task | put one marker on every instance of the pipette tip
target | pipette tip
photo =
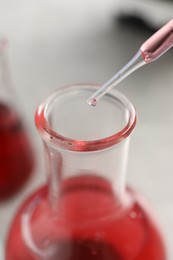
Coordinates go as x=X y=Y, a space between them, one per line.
x=92 y=102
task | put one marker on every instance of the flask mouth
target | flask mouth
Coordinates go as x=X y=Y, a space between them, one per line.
x=65 y=120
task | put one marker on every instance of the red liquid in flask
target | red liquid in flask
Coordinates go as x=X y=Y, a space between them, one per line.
x=88 y=225
x=16 y=158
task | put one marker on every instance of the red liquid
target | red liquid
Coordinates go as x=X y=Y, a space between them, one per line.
x=88 y=225
x=16 y=158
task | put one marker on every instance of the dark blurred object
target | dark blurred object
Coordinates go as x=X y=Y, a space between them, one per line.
x=151 y=14
x=135 y=21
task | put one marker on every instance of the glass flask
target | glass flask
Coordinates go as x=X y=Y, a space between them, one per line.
x=85 y=211
x=16 y=155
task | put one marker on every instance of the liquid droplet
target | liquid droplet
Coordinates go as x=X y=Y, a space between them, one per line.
x=92 y=102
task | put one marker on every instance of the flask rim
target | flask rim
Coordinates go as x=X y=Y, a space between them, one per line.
x=57 y=140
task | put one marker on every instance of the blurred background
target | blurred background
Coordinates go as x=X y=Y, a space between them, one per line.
x=58 y=42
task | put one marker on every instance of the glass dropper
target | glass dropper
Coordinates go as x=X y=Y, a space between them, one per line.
x=150 y=50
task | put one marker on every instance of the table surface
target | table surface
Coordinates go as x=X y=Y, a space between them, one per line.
x=54 y=43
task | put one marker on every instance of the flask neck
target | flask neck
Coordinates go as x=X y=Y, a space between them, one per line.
x=85 y=145
x=108 y=165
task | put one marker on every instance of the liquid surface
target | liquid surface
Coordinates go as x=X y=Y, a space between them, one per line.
x=16 y=158
x=88 y=224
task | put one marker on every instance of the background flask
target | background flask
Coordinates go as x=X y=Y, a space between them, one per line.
x=86 y=210
x=16 y=154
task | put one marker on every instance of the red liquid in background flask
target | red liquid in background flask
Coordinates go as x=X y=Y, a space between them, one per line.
x=85 y=212
x=16 y=155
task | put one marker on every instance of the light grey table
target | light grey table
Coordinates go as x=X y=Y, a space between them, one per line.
x=57 y=42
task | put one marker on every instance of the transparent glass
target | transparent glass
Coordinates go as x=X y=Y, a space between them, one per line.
x=85 y=211
x=16 y=155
